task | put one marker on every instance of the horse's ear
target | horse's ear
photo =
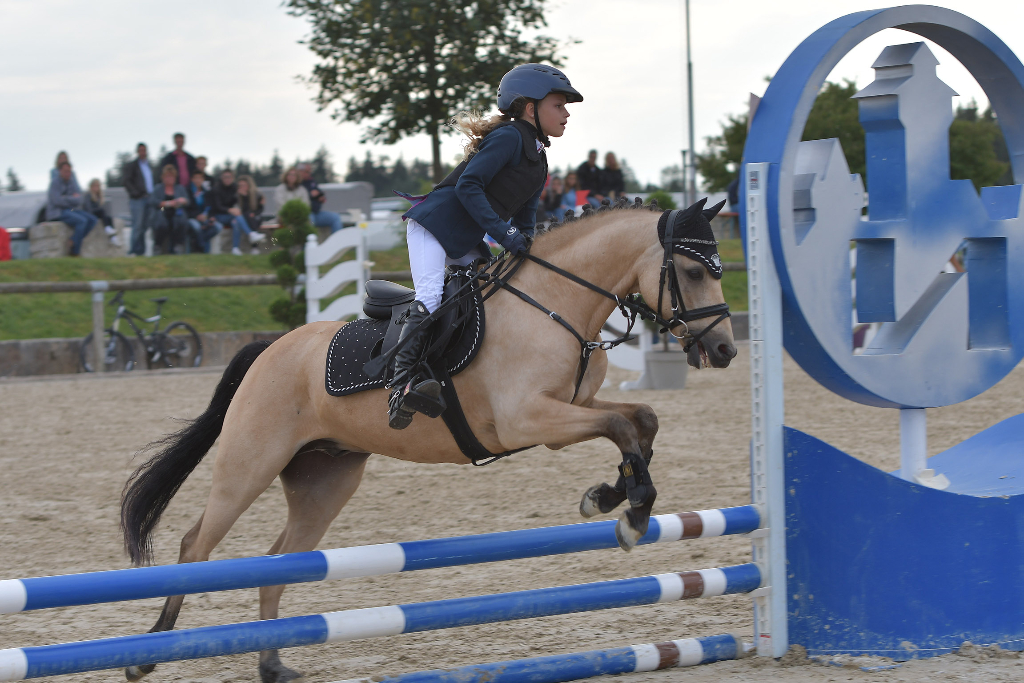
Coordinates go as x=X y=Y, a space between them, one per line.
x=713 y=211
x=691 y=211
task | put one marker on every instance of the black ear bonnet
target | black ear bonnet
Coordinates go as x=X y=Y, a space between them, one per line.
x=692 y=236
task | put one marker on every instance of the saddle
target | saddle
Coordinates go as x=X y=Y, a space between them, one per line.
x=455 y=340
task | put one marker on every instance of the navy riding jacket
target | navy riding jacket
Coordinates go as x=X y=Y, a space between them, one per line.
x=458 y=215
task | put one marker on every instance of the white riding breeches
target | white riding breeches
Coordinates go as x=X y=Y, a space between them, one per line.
x=427 y=261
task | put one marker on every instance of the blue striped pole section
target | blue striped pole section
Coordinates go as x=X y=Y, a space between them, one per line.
x=17 y=595
x=212 y=641
x=572 y=667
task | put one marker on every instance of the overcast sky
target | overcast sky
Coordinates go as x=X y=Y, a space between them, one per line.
x=96 y=77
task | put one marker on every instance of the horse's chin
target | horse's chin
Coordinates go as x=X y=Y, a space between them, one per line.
x=699 y=357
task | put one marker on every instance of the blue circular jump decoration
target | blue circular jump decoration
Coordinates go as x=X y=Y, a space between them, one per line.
x=942 y=337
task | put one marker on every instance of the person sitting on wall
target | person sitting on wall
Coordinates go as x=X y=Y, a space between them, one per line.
x=319 y=217
x=204 y=227
x=551 y=199
x=93 y=203
x=201 y=164
x=291 y=187
x=613 y=184
x=589 y=178
x=170 y=223
x=64 y=204
x=250 y=201
x=570 y=192
x=225 y=210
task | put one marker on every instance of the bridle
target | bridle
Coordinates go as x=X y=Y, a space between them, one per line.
x=680 y=315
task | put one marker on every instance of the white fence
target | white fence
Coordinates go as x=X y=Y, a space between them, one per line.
x=337 y=278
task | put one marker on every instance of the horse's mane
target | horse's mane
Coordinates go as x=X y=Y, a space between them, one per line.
x=589 y=212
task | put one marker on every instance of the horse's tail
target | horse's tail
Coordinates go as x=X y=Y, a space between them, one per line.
x=150 y=488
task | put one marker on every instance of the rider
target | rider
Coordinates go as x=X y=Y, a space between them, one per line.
x=501 y=178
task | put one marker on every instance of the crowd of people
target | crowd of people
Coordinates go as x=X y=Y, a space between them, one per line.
x=183 y=205
x=588 y=184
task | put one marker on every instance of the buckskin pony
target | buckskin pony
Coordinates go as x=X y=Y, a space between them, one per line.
x=275 y=419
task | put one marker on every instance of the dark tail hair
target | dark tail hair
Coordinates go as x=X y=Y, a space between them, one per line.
x=150 y=488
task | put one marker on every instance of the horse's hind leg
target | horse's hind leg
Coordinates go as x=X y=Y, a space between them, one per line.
x=259 y=458
x=603 y=498
x=317 y=485
x=172 y=606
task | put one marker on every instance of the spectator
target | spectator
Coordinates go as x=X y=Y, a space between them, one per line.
x=201 y=164
x=138 y=182
x=320 y=218
x=180 y=159
x=589 y=177
x=613 y=185
x=551 y=199
x=62 y=158
x=93 y=203
x=569 y=202
x=290 y=188
x=224 y=207
x=64 y=202
x=204 y=227
x=250 y=201
x=170 y=223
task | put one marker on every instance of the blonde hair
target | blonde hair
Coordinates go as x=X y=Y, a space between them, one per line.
x=98 y=197
x=475 y=126
x=252 y=199
x=169 y=168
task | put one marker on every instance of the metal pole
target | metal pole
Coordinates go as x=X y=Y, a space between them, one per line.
x=692 y=170
x=767 y=401
x=98 y=351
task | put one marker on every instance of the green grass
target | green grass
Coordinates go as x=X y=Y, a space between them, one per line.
x=213 y=309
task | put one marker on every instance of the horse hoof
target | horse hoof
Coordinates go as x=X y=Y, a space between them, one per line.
x=625 y=534
x=590 y=505
x=276 y=672
x=600 y=500
x=134 y=673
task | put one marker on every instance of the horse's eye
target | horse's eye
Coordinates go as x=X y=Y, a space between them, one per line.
x=695 y=273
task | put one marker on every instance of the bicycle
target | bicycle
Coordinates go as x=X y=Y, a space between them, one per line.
x=178 y=345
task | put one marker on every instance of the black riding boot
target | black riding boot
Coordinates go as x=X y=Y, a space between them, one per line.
x=412 y=393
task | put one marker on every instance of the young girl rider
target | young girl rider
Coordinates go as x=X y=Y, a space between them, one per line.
x=499 y=180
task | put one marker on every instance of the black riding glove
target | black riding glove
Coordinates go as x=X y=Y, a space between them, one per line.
x=514 y=242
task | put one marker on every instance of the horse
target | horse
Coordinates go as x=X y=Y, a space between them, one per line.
x=275 y=419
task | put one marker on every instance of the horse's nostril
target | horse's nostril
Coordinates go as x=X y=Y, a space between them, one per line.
x=726 y=350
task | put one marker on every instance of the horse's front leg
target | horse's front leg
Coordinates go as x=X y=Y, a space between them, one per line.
x=603 y=498
x=552 y=422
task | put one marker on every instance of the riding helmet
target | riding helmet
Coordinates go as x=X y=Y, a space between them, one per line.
x=535 y=82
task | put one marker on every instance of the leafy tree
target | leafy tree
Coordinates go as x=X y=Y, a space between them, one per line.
x=408 y=65
x=13 y=182
x=115 y=175
x=672 y=178
x=414 y=179
x=663 y=198
x=974 y=145
x=629 y=178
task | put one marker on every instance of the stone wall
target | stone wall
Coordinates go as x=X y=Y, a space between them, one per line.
x=50 y=240
x=26 y=357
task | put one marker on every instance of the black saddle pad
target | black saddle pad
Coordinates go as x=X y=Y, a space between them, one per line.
x=352 y=345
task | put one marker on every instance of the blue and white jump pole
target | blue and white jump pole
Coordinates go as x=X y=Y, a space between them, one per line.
x=18 y=595
x=212 y=641
x=572 y=667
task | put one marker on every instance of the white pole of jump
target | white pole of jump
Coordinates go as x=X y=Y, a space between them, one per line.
x=767 y=481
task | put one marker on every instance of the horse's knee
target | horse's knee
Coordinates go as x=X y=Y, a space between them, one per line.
x=622 y=432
